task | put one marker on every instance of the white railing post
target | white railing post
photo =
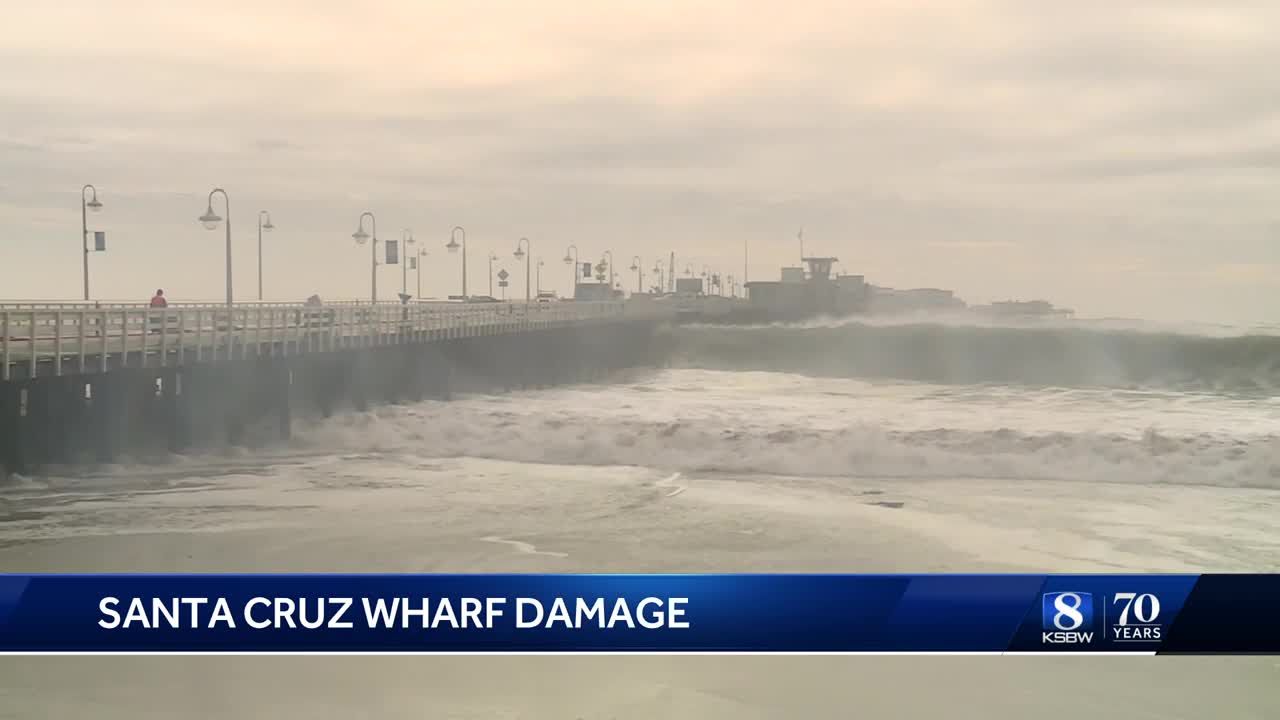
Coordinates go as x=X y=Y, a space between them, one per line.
x=146 y=331
x=257 y=333
x=4 y=347
x=243 y=333
x=164 y=337
x=182 y=337
x=104 y=326
x=270 y=333
x=199 y=335
x=230 y=338
x=81 y=322
x=57 y=343
x=32 y=345
x=306 y=331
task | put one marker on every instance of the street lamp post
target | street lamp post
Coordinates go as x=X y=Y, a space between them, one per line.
x=524 y=253
x=406 y=239
x=85 y=206
x=572 y=259
x=360 y=236
x=639 y=271
x=453 y=247
x=211 y=221
x=659 y=268
x=492 y=257
x=268 y=227
x=540 y=264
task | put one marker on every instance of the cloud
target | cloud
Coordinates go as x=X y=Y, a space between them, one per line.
x=923 y=142
x=1188 y=163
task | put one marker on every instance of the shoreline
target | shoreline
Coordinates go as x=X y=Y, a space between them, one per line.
x=398 y=512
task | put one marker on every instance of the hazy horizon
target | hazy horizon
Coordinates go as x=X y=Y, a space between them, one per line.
x=1115 y=161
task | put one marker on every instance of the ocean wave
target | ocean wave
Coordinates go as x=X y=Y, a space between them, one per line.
x=1062 y=356
x=965 y=319
x=459 y=430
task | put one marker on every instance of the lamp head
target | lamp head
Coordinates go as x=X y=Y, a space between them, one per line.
x=519 y=253
x=268 y=226
x=360 y=236
x=453 y=245
x=210 y=219
x=94 y=205
x=568 y=259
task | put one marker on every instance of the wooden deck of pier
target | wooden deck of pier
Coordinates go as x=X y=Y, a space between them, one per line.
x=67 y=338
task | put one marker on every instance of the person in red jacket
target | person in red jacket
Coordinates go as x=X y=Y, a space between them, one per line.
x=158 y=301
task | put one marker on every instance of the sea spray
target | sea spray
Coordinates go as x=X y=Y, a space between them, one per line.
x=967 y=354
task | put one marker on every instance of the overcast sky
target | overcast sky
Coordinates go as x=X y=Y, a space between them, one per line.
x=1122 y=159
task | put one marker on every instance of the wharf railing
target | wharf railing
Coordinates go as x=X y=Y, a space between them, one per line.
x=79 y=338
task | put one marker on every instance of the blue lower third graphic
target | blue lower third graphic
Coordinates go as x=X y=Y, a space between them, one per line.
x=632 y=613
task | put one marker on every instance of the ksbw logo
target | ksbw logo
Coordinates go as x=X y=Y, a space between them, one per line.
x=1067 y=618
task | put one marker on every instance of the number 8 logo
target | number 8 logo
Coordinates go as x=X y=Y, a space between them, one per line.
x=1069 y=610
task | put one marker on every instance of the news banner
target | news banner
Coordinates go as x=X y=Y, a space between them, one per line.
x=669 y=614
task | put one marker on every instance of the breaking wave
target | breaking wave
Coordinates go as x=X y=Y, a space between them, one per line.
x=1060 y=356
x=460 y=429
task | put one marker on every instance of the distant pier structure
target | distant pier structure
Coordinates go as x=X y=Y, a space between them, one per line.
x=91 y=383
x=804 y=292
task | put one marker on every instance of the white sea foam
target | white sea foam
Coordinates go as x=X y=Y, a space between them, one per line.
x=788 y=425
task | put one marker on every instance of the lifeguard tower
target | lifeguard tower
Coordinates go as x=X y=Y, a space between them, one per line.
x=819 y=267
